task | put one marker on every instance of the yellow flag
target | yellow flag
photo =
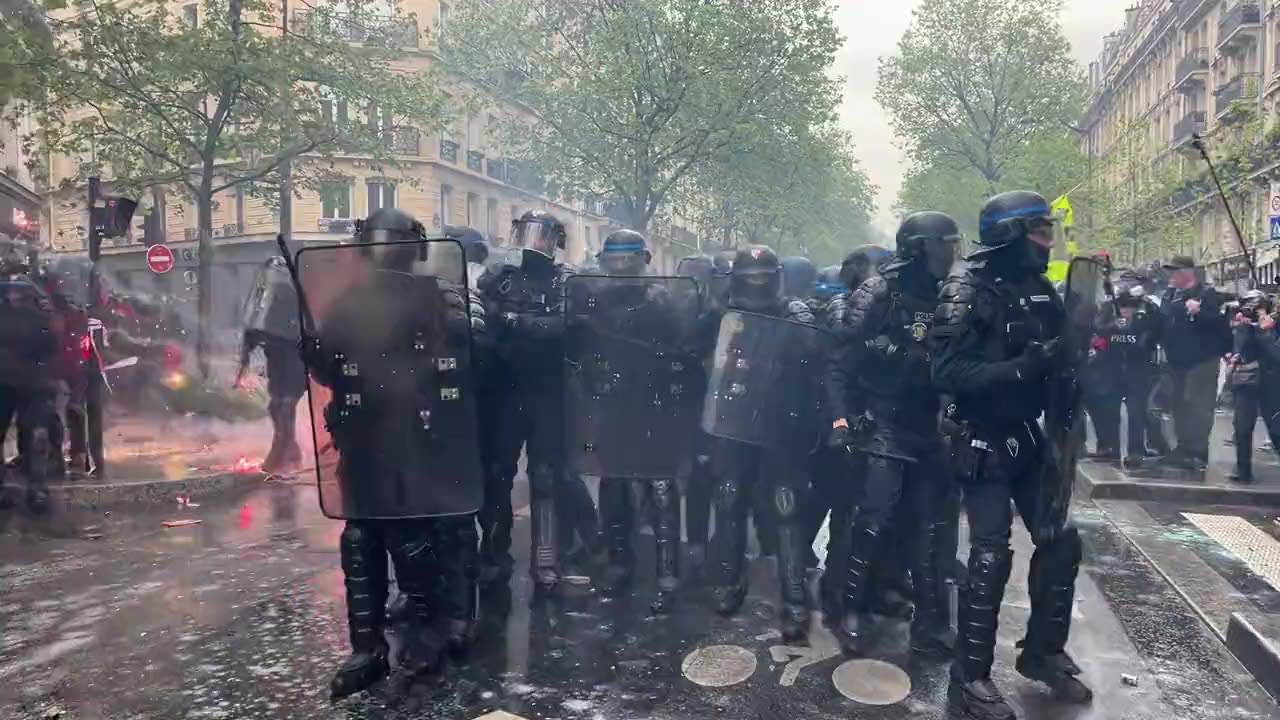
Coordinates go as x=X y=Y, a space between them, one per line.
x=1061 y=209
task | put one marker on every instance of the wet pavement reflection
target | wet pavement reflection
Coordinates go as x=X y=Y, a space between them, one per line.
x=242 y=616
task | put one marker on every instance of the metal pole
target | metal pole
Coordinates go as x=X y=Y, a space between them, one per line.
x=1198 y=143
x=93 y=392
x=286 y=167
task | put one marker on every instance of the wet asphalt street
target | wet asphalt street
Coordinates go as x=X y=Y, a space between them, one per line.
x=242 y=616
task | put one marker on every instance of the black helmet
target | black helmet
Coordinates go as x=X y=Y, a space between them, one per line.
x=724 y=261
x=625 y=252
x=829 y=283
x=1010 y=218
x=931 y=236
x=538 y=231
x=698 y=267
x=861 y=263
x=391 y=225
x=472 y=241
x=1130 y=286
x=755 y=282
x=798 y=277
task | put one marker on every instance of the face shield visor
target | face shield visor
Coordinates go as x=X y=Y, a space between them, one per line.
x=1039 y=243
x=542 y=238
x=755 y=289
x=940 y=254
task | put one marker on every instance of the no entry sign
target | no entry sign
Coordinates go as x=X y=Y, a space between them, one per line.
x=159 y=259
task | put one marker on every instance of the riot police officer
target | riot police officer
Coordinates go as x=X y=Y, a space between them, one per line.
x=861 y=262
x=525 y=304
x=1254 y=378
x=799 y=275
x=699 y=483
x=641 y=370
x=738 y=467
x=406 y=449
x=883 y=358
x=993 y=345
x=28 y=344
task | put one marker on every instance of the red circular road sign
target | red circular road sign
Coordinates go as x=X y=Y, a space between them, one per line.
x=159 y=259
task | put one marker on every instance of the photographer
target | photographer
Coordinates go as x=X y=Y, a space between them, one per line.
x=1254 y=378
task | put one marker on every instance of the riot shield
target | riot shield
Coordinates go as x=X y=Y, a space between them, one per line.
x=272 y=304
x=1064 y=417
x=631 y=374
x=390 y=385
x=765 y=383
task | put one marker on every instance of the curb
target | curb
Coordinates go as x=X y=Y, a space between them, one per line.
x=1101 y=482
x=93 y=496
x=1256 y=652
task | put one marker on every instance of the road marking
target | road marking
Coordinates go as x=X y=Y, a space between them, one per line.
x=719 y=665
x=871 y=682
x=804 y=657
x=1258 y=550
x=499 y=715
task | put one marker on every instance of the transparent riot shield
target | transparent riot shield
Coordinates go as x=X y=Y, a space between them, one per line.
x=764 y=387
x=631 y=374
x=1083 y=297
x=272 y=303
x=391 y=387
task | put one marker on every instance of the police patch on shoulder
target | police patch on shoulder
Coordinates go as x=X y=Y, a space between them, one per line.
x=918 y=331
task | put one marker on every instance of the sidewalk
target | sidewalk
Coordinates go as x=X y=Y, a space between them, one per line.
x=1156 y=481
x=151 y=460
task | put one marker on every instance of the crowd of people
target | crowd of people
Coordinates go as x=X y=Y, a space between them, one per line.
x=879 y=393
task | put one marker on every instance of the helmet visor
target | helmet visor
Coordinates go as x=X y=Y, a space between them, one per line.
x=537 y=237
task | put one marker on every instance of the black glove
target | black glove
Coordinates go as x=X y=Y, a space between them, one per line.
x=883 y=344
x=841 y=437
x=1037 y=358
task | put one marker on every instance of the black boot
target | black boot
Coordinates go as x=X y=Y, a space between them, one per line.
x=461 y=561
x=972 y=691
x=364 y=565
x=615 y=511
x=544 y=564
x=666 y=533
x=931 y=631
x=864 y=543
x=791 y=565
x=1244 y=460
x=1051 y=584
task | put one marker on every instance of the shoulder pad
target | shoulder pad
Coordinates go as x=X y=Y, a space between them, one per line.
x=798 y=311
x=957 y=297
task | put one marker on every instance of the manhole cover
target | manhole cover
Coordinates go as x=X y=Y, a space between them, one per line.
x=871 y=682
x=719 y=665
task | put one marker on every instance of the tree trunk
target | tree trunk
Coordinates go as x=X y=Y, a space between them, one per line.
x=204 y=274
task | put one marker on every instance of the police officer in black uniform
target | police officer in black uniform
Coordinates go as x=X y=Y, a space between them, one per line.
x=1254 y=378
x=286 y=377
x=883 y=359
x=369 y=460
x=756 y=287
x=700 y=483
x=28 y=345
x=993 y=346
x=799 y=276
x=861 y=262
x=525 y=310
x=651 y=312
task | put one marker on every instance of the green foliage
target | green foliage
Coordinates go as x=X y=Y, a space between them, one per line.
x=974 y=81
x=631 y=99
x=142 y=98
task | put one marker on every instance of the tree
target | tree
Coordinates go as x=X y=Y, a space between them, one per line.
x=974 y=80
x=801 y=191
x=152 y=99
x=627 y=99
x=1049 y=163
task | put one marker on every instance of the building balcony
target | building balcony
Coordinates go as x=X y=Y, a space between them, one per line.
x=1191 y=10
x=449 y=151
x=475 y=161
x=1192 y=71
x=1239 y=26
x=1244 y=86
x=364 y=28
x=1190 y=124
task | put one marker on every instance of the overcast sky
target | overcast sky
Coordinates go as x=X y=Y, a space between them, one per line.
x=872 y=29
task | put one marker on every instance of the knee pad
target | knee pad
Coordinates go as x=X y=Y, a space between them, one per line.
x=726 y=496
x=663 y=491
x=542 y=480
x=355 y=536
x=1066 y=549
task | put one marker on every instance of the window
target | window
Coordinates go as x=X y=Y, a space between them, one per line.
x=446 y=199
x=333 y=109
x=382 y=194
x=491 y=217
x=473 y=209
x=191 y=16
x=335 y=200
